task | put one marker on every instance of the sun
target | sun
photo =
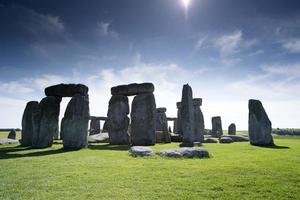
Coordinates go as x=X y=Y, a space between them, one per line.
x=186 y=3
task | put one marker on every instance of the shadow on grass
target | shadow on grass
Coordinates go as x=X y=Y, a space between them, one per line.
x=5 y=153
x=274 y=146
x=109 y=147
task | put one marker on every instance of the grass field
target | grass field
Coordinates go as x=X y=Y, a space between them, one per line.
x=102 y=171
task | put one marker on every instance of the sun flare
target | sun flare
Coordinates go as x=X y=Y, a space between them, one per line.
x=185 y=3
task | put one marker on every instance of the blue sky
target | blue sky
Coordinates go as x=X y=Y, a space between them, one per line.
x=229 y=51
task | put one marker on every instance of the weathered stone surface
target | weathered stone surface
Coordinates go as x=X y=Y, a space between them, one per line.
x=185 y=152
x=74 y=125
x=178 y=121
x=162 y=133
x=66 y=90
x=45 y=122
x=95 y=126
x=210 y=140
x=118 y=120
x=259 y=125
x=225 y=140
x=105 y=127
x=170 y=129
x=217 y=130
x=238 y=138
x=143 y=116
x=132 y=89
x=56 y=134
x=187 y=116
x=98 y=138
x=12 y=134
x=176 y=137
x=232 y=129
x=175 y=126
x=27 y=123
x=198 y=120
x=140 y=151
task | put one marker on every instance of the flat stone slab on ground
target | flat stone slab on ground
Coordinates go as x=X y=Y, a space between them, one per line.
x=185 y=152
x=226 y=140
x=8 y=141
x=210 y=140
x=98 y=138
x=238 y=138
x=140 y=151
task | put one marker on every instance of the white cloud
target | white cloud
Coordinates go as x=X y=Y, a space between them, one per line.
x=292 y=45
x=228 y=44
x=15 y=87
x=105 y=30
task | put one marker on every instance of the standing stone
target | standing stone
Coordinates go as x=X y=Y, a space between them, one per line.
x=175 y=125
x=105 y=127
x=170 y=129
x=198 y=120
x=56 y=134
x=94 y=126
x=178 y=121
x=217 y=130
x=232 y=129
x=187 y=116
x=45 y=121
x=143 y=116
x=259 y=125
x=12 y=134
x=118 y=120
x=74 y=125
x=162 y=132
x=27 y=124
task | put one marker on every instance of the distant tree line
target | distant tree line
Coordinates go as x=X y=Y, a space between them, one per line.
x=286 y=131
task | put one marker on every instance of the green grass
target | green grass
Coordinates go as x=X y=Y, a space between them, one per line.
x=235 y=171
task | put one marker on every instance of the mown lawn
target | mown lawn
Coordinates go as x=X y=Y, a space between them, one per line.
x=235 y=171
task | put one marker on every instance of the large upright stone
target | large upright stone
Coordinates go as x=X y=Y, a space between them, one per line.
x=187 y=116
x=12 y=134
x=178 y=122
x=162 y=132
x=143 y=116
x=105 y=127
x=198 y=120
x=217 y=130
x=133 y=89
x=66 y=90
x=232 y=129
x=175 y=126
x=27 y=123
x=74 y=125
x=118 y=120
x=95 y=126
x=46 y=122
x=259 y=125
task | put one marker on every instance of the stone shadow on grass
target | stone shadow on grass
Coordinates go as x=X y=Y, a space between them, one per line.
x=6 y=153
x=274 y=146
x=109 y=147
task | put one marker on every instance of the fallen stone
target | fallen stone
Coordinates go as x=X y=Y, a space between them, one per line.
x=12 y=134
x=185 y=152
x=133 y=89
x=74 y=125
x=232 y=129
x=66 y=90
x=259 y=125
x=238 y=138
x=4 y=141
x=140 y=151
x=27 y=123
x=210 y=140
x=225 y=140
x=118 y=120
x=143 y=116
x=98 y=138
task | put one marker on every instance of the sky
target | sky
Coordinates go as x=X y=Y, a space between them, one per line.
x=228 y=51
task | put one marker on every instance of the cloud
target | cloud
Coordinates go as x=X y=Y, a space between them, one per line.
x=15 y=87
x=228 y=44
x=292 y=45
x=105 y=30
